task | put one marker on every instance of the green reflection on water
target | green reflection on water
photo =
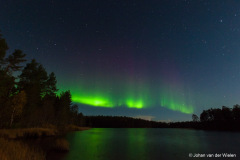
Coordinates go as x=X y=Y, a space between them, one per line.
x=91 y=144
x=134 y=144
x=103 y=144
x=137 y=143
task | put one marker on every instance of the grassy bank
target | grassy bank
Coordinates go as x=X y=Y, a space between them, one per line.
x=30 y=143
x=16 y=150
x=38 y=132
x=28 y=133
x=70 y=128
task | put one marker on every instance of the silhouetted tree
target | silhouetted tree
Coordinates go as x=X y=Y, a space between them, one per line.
x=195 y=118
x=6 y=86
x=227 y=113
x=74 y=114
x=7 y=80
x=33 y=80
x=14 y=61
x=80 y=120
x=51 y=85
x=18 y=102
x=236 y=112
x=204 y=116
x=48 y=112
x=63 y=108
x=217 y=114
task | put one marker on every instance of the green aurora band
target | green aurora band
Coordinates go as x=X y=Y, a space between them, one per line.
x=137 y=102
x=93 y=101
x=133 y=95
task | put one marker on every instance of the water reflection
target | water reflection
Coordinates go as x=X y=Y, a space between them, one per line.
x=91 y=144
x=136 y=144
x=148 y=144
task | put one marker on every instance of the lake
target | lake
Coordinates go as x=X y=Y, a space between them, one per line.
x=151 y=144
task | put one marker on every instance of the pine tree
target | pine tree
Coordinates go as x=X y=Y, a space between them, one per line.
x=33 y=80
x=7 y=80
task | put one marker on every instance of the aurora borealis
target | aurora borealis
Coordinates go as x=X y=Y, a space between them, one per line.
x=138 y=100
x=162 y=59
x=132 y=103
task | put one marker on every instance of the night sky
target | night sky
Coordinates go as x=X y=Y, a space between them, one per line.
x=160 y=60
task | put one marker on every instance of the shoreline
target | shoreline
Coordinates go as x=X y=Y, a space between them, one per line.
x=34 y=143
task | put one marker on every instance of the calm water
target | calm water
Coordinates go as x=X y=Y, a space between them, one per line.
x=149 y=144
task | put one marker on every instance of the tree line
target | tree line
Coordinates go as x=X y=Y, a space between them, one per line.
x=224 y=114
x=121 y=122
x=225 y=118
x=211 y=119
x=30 y=99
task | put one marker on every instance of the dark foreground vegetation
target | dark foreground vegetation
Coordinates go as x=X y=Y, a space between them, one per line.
x=31 y=109
x=30 y=99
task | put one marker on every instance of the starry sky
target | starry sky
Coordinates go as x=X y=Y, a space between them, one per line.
x=160 y=60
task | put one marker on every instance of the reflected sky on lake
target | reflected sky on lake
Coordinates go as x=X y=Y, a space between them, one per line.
x=148 y=144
